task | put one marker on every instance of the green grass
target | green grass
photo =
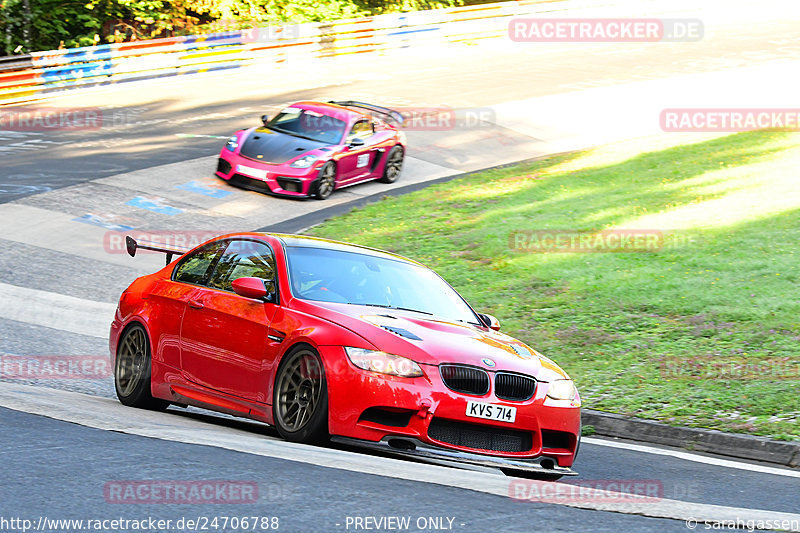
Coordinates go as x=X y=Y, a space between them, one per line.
x=610 y=319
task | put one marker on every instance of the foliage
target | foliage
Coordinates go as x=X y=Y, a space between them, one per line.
x=47 y=23
x=29 y=25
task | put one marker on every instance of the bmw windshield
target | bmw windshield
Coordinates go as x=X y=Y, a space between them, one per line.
x=309 y=125
x=336 y=276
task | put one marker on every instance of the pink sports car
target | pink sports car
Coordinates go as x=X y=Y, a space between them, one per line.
x=314 y=148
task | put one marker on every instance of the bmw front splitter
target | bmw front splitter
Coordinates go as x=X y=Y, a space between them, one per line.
x=410 y=447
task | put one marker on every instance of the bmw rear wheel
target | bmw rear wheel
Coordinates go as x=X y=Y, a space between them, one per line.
x=326 y=181
x=394 y=164
x=300 y=397
x=132 y=370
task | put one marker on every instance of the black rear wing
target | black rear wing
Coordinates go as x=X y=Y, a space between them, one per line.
x=131 y=245
x=391 y=113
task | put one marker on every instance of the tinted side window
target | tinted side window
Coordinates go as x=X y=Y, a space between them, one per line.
x=244 y=259
x=195 y=267
x=361 y=130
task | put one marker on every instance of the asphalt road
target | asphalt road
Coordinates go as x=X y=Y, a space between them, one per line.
x=318 y=488
x=303 y=497
x=158 y=135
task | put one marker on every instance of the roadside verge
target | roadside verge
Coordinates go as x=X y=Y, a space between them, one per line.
x=740 y=446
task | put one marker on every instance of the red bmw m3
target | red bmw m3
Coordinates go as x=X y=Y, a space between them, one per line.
x=326 y=340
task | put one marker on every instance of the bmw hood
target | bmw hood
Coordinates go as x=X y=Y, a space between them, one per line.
x=273 y=147
x=430 y=341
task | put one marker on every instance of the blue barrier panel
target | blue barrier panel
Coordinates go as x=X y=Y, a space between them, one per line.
x=408 y=32
x=75 y=72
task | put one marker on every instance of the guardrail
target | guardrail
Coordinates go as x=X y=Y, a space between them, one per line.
x=36 y=75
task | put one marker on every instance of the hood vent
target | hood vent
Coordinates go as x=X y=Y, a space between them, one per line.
x=402 y=332
x=521 y=350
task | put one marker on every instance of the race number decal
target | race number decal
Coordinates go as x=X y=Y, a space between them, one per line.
x=362 y=160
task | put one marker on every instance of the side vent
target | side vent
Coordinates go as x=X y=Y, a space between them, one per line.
x=557 y=439
x=387 y=417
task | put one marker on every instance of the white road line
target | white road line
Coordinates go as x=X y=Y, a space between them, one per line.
x=66 y=313
x=107 y=414
x=692 y=457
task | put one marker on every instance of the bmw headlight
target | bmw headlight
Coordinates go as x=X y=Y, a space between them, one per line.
x=232 y=144
x=562 y=389
x=304 y=162
x=383 y=363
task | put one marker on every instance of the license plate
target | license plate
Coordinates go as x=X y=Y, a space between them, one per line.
x=490 y=411
x=252 y=172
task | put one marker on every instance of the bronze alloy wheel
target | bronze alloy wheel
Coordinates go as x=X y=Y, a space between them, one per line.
x=132 y=370
x=326 y=181
x=130 y=361
x=394 y=164
x=300 y=405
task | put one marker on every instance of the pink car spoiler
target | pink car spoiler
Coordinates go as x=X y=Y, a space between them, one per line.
x=394 y=115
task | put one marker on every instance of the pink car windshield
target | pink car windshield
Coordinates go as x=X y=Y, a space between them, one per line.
x=309 y=125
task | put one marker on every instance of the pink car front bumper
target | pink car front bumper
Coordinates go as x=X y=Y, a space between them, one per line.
x=281 y=180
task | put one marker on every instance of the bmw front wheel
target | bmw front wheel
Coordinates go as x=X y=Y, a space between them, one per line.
x=300 y=397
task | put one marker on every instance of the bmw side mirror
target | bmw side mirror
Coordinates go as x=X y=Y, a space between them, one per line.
x=489 y=321
x=265 y=119
x=253 y=288
x=356 y=143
